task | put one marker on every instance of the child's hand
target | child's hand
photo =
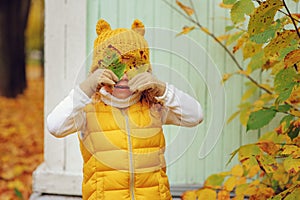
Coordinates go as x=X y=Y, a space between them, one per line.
x=146 y=81
x=100 y=77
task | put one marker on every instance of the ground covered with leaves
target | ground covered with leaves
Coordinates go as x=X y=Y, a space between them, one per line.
x=21 y=138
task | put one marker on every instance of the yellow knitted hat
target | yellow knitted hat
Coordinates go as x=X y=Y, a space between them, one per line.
x=121 y=50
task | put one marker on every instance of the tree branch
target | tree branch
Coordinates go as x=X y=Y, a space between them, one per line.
x=290 y=15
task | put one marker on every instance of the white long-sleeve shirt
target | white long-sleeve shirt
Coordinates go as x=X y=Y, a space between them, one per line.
x=68 y=116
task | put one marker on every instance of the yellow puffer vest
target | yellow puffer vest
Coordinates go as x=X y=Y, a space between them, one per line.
x=123 y=154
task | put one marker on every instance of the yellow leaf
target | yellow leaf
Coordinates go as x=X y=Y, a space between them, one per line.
x=223 y=195
x=263 y=16
x=292 y=58
x=186 y=30
x=253 y=171
x=237 y=170
x=290 y=150
x=206 y=193
x=189 y=11
x=281 y=176
x=239 y=43
x=222 y=37
x=226 y=77
x=250 y=49
x=230 y=183
x=227 y=6
x=233 y=116
x=291 y=165
x=189 y=195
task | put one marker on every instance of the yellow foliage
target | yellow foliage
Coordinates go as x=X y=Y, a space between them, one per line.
x=189 y=195
x=206 y=193
x=186 y=9
x=223 y=195
x=230 y=183
x=237 y=170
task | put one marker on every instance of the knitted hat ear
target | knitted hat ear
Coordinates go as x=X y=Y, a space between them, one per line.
x=101 y=26
x=138 y=27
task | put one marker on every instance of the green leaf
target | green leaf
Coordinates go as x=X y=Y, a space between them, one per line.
x=232 y=38
x=284 y=83
x=266 y=35
x=214 y=180
x=256 y=61
x=281 y=108
x=260 y=118
x=229 y=28
x=118 y=68
x=229 y=2
x=18 y=194
x=240 y=9
x=263 y=16
x=293 y=132
x=287 y=120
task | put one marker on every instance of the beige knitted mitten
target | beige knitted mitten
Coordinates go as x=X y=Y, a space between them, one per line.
x=146 y=81
x=100 y=77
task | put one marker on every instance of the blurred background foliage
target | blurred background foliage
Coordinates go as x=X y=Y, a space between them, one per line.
x=21 y=118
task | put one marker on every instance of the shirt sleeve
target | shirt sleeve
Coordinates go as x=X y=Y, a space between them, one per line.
x=68 y=116
x=180 y=108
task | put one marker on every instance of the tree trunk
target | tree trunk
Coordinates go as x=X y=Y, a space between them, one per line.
x=13 y=19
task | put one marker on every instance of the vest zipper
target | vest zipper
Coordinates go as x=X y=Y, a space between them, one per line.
x=131 y=168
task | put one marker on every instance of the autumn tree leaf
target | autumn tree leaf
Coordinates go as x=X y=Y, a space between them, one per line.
x=189 y=11
x=292 y=58
x=230 y=183
x=288 y=39
x=234 y=37
x=267 y=34
x=260 y=118
x=229 y=2
x=263 y=16
x=256 y=61
x=237 y=170
x=240 y=9
x=207 y=194
x=250 y=49
x=186 y=30
x=291 y=165
x=214 y=180
x=284 y=83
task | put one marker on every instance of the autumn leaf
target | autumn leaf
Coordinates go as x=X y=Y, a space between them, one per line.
x=237 y=170
x=223 y=195
x=186 y=30
x=189 y=195
x=230 y=183
x=292 y=58
x=15 y=170
x=206 y=194
x=189 y=11
x=291 y=165
x=263 y=16
x=240 y=9
x=250 y=49
x=232 y=38
x=284 y=83
x=214 y=181
x=284 y=42
x=227 y=6
x=268 y=146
